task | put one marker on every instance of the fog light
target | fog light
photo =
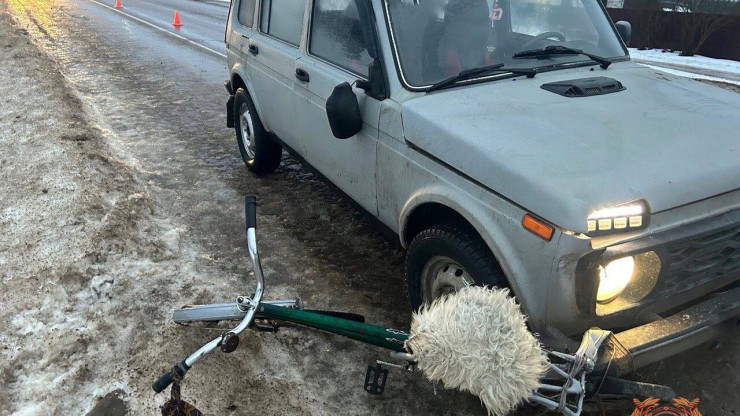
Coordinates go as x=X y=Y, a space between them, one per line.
x=614 y=278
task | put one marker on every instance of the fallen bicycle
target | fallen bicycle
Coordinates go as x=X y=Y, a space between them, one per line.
x=474 y=340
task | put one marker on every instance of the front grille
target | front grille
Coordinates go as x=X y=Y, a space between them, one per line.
x=696 y=261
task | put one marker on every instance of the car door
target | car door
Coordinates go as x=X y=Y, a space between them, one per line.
x=239 y=28
x=336 y=53
x=271 y=54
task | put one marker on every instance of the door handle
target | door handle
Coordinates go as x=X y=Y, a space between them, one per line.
x=254 y=50
x=301 y=74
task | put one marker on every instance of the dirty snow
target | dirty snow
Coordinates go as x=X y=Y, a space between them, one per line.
x=110 y=218
x=93 y=264
x=81 y=244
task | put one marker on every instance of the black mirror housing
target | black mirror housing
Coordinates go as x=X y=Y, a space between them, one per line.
x=624 y=28
x=343 y=112
x=375 y=85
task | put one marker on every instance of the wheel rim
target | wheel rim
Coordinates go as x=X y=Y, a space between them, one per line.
x=247 y=130
x=442 y=276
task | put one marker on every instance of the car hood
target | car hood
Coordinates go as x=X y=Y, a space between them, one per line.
x=665 y=139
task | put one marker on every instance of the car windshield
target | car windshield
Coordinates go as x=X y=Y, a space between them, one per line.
x=436 y=39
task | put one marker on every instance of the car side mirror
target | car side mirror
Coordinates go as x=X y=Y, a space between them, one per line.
x=624 y=28
x=343 y=112
x=375 y=84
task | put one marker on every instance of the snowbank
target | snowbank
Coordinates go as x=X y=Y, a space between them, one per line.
x=81 y=246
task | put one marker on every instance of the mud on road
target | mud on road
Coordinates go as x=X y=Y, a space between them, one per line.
x=120 y=200
x=111 y=217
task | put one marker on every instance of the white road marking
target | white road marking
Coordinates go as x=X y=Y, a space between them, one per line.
x=161 y=29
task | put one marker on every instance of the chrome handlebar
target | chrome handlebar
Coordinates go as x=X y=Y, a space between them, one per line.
x=248 y=305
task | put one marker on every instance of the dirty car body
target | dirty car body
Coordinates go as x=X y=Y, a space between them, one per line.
x=632 y=174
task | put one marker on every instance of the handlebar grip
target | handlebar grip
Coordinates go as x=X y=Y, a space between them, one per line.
x=167 y=378
x=250 y=210
x=162 y=382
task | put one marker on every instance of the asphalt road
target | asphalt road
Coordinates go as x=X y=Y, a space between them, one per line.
x=159 y=99
x=160 y=96
x=203 y=21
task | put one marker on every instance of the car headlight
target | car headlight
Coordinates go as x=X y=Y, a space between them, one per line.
x=621 y=218
x=614 y=278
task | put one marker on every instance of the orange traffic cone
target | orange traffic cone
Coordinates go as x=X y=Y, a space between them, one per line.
x=118 y=4
x=177 y=22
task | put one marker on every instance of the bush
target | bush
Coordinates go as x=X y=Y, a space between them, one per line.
x=699 y=19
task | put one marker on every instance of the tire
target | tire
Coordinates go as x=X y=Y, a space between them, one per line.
x=444 y=258
x=259 y=152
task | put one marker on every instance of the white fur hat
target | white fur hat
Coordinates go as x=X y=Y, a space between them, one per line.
x=477 y=340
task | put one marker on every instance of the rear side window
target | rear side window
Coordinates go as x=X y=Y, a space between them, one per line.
x=283 y=19
x=246 y=12
x=337 y=37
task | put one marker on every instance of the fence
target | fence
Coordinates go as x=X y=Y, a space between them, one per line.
x=663 y=30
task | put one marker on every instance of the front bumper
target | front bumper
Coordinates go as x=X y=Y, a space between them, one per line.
x=637 y=347
x=694 y=294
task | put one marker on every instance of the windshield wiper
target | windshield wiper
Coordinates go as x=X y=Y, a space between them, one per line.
x=474 y=72
x=562 y=50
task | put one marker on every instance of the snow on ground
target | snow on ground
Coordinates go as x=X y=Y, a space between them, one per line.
x=90 y=267
x=696 y=61
x=98 y=243
x=79 y=239
x=692 y=75
x=696 y=67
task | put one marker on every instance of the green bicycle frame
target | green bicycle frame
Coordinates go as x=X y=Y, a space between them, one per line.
x=246 y=309
x=387 y=338
x=569 y=374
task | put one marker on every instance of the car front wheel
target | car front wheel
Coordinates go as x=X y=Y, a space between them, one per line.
x=259 y=152
x=445 y=258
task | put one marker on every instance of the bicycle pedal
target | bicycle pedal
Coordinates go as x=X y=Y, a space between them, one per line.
x=375 y=379
x=264 y=326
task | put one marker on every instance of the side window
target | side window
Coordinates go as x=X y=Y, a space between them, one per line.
x=246 y=12
x=283 y=19
x=337 y=36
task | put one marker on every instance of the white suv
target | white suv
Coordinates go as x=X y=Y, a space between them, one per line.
x=509 y=143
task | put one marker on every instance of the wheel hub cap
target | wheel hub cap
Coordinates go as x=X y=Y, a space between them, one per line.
x=247 y=130
x=441 y=276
